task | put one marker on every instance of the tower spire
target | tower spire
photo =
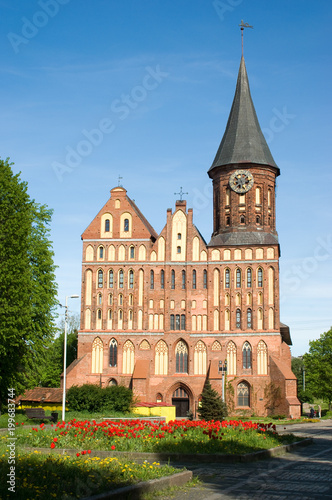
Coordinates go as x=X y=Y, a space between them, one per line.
x=242 y=26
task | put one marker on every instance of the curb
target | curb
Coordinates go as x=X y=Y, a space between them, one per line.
x=185 y=458
x=135 y=491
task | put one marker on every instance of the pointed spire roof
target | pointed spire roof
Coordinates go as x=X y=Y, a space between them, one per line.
x=243 y=140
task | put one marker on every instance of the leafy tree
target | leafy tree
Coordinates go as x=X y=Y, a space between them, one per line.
x=92 y=398
x=27 y=282
x=318 y=366
x=212 y=407
x=49 y=374
x=305 y=396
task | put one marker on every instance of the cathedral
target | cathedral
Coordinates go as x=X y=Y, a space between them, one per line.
x=162 y=313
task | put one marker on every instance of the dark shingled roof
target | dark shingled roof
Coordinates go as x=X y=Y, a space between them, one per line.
x=243 y=141
x=238 y=238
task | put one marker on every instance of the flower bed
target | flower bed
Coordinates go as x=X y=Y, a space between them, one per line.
x=40 y=476
x=180 y=436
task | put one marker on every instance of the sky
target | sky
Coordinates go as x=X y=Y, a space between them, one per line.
x=96 y=89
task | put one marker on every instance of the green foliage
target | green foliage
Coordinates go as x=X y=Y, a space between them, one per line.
x=212 y=407
x=92 y=398
x=52 y=366
x=272 y=395
x=318 y=366
x=27 y=283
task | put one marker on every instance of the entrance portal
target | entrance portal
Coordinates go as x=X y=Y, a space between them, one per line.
x=180 y=400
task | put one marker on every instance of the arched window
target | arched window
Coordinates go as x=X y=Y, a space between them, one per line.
x=183 y=280
x=260 y=277
x=111 y=279
x=99 y=299
x=132 y=252
x=172 y=279
x=113 y=352
x=243 y=394
x=177 y=322
x=194 y=279
x=238 y=278
x=228 y=220
x=110 y=299
x=162 y=279
x=261 y=358
x=179 y=236
x=131 y=278
x=181 y=353
x=120 y=299
x=161 y=358
x=258 y=219
x=101 y=252
x=242 y=219
x=121 y=278
x=246 y=355
x=231 y=358
x=126 y=225
x=183 y=321
x=178 y=249
x=151 y=279
x=107 y=225
x=100 y=278
x=200 y=358
x=128 y=357
x=99 y=314
x=172 y=324
x=238 y=318
x=97 y=356
x=249 y=318
x=227 y=278
x=112 y=382
x=249 y=277
x=205 y=278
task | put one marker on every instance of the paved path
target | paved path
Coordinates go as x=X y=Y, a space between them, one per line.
x=304 y=474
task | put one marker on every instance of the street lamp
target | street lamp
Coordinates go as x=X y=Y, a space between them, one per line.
x=65 y=355
x=222 y=368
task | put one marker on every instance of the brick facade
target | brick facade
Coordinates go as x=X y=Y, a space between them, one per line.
x=159 y=313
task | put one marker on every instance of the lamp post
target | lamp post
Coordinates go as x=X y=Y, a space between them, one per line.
x=223 y=370
x=65 y=355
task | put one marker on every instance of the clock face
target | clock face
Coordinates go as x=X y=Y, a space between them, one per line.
x=241 y=181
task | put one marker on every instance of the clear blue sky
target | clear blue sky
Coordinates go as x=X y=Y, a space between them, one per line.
x=157 y=78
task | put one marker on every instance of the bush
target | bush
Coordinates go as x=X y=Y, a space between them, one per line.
x=212 y=407
x=117 y=398
x=92 y=398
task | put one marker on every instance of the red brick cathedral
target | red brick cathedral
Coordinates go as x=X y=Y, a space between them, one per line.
x=161 y=313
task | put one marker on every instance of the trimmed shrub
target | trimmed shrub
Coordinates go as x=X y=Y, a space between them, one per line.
x=92 y=398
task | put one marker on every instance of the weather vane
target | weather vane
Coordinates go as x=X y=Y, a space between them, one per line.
x=242 y=26
x=181 y=193
x=119 y=181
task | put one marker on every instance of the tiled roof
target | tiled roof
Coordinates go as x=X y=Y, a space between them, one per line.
x=244 y=238
x=42 y=394
x=243 y=140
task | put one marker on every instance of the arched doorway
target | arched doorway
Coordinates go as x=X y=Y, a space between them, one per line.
x=180 y=399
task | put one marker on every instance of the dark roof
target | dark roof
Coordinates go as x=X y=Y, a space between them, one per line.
x=285 y=333
x=243 y=141
x=238 y=238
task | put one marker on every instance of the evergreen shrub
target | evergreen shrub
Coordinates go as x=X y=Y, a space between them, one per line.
x=212 y=407
x=92 y=398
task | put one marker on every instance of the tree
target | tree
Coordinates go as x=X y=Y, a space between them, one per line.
x=49 y=374
x=318 y=366
x=27 y=282
x=212 y=407
x=305 y=396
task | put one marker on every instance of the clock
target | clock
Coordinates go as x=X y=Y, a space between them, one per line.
x=241 y=181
